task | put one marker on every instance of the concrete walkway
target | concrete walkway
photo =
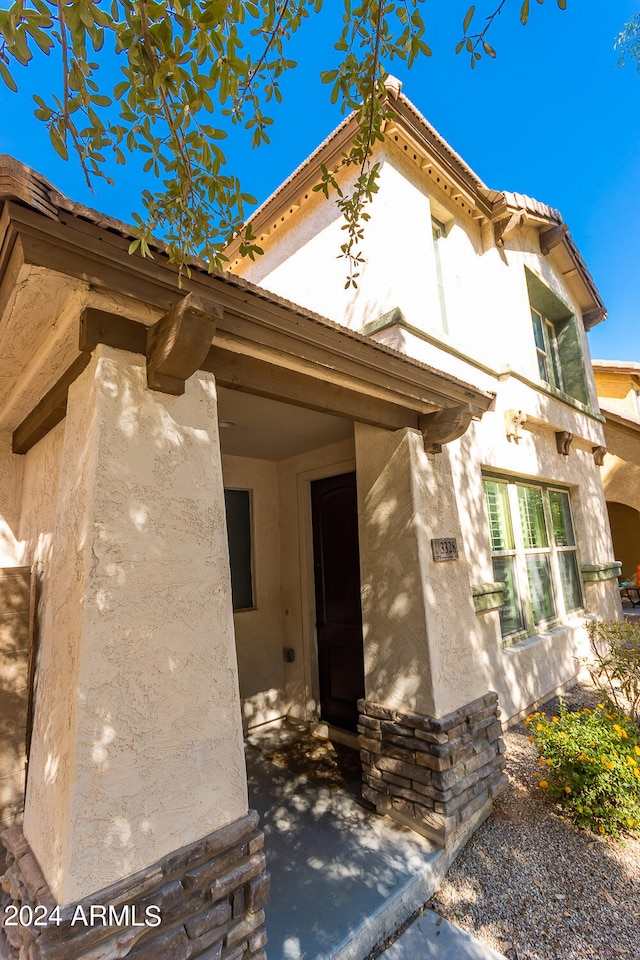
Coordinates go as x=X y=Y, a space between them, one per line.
x=432 y=938
x=343 y=880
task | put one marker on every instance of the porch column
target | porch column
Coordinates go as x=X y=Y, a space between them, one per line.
x=430 y=734
x=137 y=789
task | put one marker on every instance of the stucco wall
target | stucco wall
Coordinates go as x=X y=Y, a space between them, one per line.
x=419 y=623
x=138 y=707
x=488 y=342
x=625 y=531
x=618 y=390
x=259 y=632
x=485 y=288
x=11 y=478
x=298 y=600
x=524 y=672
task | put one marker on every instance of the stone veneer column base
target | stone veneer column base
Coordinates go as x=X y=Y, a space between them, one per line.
x=435 y=775
x=210 y=896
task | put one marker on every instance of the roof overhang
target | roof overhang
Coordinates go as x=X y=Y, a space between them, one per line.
x=58 y=259
x=623 y=368
x=412 y=134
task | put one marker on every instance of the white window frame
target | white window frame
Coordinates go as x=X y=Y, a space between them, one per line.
x=549 y=356
x=519 y=553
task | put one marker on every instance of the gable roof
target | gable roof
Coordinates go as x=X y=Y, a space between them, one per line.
x=422 y=143
x=49 y=242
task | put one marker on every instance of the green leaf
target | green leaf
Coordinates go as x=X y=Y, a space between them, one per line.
x=467 y=19
x=562 y=4
x=58 y=143
x=8 y=79
x=524 y=12
x=488 y=49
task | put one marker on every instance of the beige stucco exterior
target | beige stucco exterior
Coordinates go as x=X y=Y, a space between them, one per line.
x=425 y=646
x=115 y=497
x=138 y=706
x=618 y=386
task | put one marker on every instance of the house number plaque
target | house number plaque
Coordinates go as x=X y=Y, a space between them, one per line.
x=445 y=548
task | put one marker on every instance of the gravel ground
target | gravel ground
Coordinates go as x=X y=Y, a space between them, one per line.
x=532 y=885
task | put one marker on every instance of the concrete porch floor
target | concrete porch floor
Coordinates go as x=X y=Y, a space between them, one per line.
x=343 y=879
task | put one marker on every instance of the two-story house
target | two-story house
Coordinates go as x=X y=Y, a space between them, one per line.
x=380 y=510
x=487 y=286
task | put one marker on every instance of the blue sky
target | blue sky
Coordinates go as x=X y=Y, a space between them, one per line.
x=552 y=116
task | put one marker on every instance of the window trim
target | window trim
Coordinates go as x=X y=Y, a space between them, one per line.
x=550 y=356
x=576 y=381
x=439 y=233
x=520 y=552
x=252 y=571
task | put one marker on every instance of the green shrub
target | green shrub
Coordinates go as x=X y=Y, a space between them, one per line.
x=591 y=764
x=616 y=666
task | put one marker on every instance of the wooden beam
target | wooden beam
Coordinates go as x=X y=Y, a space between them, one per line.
x=179 y=342
x=50 y=411
x=251 y=375
x=99 y=326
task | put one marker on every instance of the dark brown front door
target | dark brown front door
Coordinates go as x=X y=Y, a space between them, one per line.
x=338 y=610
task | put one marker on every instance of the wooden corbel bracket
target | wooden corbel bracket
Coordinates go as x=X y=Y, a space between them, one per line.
x=179 y=342
x=444 y=425
x=552 y=237
x=598 y=455
x=502 y=228
x=564 y=439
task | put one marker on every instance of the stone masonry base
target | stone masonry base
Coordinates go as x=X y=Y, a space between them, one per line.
x=432 y=774
x=209 y=897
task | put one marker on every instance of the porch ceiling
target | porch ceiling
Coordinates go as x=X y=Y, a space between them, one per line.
x=270 y=430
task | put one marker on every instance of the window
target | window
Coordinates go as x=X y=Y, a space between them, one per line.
x=439 y=232
x=544 y=334
x=238 y=507
x=558 y=343
x=533 y=549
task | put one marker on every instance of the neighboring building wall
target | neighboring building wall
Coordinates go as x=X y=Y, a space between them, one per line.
x=618 y=388
x=625 y=532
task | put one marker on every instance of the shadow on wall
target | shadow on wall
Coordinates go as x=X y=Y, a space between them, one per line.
x=625 y=532
x=621 y=481
x=137 y=689
x=528 y=669
x=395 y=642
x=14 y=656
